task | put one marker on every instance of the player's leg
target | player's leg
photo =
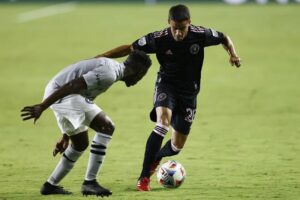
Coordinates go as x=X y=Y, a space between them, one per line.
x=182 y=120
x=172 y=146
x=163 y=103
x=155 y=139
x=153 y=146
x=104 y=128
x=66 y=163
x=70 y=121
x=69 y=157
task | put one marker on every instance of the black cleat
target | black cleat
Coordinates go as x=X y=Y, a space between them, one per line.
x=48 y=188
x=94 y=188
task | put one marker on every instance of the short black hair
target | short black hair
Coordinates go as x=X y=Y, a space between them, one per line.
x=138 y=60
x=179 y=13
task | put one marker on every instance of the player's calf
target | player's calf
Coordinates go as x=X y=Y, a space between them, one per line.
x=154 y=166
x=169 y=149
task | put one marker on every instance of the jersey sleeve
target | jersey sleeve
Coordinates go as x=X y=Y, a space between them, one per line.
x=145 y=43
x=98 y=77
x=213 y=37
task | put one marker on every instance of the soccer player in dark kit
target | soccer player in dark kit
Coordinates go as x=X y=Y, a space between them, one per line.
x=180 y=52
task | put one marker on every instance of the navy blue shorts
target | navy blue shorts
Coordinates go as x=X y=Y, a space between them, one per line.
x=183 y=106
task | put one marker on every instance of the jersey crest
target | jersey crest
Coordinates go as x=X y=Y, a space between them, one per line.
x=194 y=49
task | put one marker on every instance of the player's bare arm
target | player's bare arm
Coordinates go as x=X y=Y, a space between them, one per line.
x=117 y=52
x=229 y=47
x=35 y=111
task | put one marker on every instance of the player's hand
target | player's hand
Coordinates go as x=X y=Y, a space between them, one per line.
x=29 y=112
x=235 y=61
x=61 y=145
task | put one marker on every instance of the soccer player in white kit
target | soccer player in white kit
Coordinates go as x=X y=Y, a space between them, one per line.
x=70 y=95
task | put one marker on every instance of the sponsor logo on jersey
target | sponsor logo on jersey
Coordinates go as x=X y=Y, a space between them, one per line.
x=194 y=49
x=214 y=33
x=142 y=41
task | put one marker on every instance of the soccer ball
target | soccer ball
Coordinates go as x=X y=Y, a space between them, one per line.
x=171 y=174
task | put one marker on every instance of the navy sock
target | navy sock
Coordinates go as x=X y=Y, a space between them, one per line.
x=153 y=146
x=167 y=150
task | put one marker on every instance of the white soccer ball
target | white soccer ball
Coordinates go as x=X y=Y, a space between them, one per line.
x=171 y=174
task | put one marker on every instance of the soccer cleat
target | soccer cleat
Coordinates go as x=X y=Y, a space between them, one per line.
x=48 y=189
x=94 y=188
x=153 y=167
x=143 y=184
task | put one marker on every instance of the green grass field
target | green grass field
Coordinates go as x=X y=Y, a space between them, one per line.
x=245 y=141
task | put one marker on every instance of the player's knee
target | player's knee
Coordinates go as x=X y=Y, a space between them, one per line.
x=105 y=127
x=109 y=127
x=82 y=146
x=164 y=119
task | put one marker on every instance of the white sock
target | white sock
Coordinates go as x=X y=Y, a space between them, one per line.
x=65 y=165
x=97 y=155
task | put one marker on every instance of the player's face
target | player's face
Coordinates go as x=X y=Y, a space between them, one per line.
x=179 y=29
x=131 y=80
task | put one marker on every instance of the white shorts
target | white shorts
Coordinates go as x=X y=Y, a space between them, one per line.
x=74 y=114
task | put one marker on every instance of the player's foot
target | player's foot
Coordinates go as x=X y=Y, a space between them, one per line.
x=94 y=188
x=48 y=188
x=153 y=167
x=143 y=184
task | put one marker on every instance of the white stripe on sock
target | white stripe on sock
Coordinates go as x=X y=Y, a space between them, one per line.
x=96 y=160
x=174 y=148
x=64 y=166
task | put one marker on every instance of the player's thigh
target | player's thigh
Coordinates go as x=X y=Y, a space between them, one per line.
x=103 y=124
x=80 y=141
x=184 y=114
x=164 y=102
x=164 y=115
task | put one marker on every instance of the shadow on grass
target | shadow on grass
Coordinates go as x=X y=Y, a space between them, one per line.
x=131 y=189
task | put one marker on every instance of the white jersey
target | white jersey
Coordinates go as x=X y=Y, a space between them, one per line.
x=98 y=73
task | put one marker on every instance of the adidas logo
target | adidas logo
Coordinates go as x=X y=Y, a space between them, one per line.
x=169 y=52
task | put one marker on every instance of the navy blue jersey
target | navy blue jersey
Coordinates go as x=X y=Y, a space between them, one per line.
x=180 y=61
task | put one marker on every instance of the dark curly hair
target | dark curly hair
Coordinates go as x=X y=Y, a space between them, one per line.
x=138 y=60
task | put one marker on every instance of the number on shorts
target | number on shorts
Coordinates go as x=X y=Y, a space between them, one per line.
x=190 y=115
